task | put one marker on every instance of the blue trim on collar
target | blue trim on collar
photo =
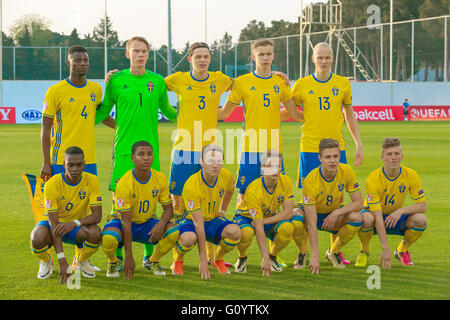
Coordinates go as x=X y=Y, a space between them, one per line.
x=395 y=177
x=192 y=76
x=74 y=85
x=134 y=175
x=320 y=171
x=271 y=74
x=331 y=74
x=203 y=178
x=70 y=184
x=265 y=187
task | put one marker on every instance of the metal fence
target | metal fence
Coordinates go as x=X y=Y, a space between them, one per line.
x=420 y=53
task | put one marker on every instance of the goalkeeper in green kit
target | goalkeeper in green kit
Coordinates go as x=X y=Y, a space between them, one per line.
x=138 y=95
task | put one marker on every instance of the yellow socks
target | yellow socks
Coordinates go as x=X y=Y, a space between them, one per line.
x=42 y=253
x=344 y=235
x=365 y=235
x=247 y=234
x=411 y=236
x=300 y=235
x=283 y=235
x=87 y=251
x=164 y=245
x=225 y=246
x=110 y=242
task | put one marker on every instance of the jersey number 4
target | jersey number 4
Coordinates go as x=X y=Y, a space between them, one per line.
x=83 y=113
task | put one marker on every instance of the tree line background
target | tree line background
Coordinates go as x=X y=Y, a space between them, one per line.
x=33 y=63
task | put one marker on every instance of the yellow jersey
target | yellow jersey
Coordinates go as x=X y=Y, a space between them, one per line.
x=322 y=103
x=198 y=105
x=259 y=203
x=388 y=193
x=141 y=197
x=199 y=195
x=71 y=201
x=326 y=194
x=72 y=109
x=262 y=99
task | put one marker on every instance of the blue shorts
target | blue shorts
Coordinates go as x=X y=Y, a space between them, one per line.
x=269 y=229
x=58 y=168
x=184 y=164
x=68 y=237
x=139 y=231
x=309 y=161
x=250 y=169
x=398 y=229
x=213 y=228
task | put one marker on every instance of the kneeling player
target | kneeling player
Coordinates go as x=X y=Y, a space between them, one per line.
x=323 y=190
x=258 y=214
x=68 y=196
x=386 y=189
x=137 y=193
x=202 y=202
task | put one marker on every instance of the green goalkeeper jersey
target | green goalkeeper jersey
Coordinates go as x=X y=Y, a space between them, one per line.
x=137 y=100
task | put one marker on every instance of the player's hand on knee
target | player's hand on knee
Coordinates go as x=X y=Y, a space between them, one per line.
x=157 y=232
x=64 y=228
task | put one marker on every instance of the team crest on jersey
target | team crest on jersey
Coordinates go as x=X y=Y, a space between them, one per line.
x=221 y=192
x=212 y=87
x=120 y=202
x=335 y=91
x=82 y=194
x=341 y=186
x=42 y=187
x=402 y=188
x=280 y=198
x=150 y=86
x=48 y=204
x=191 y=204
x=276 y=88
x=252 y=212
x=93 y=96
x=155 y=192
x=306 y=199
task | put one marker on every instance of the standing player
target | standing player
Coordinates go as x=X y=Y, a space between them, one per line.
x=323 y=190
x=137 y=194
x=69 y=116
x=326 y=99
x=202 y=197
x=262 y=95
x=138 y=94
x=324 y=96
x=258 y=214
x=386 y=189
x=68 y=197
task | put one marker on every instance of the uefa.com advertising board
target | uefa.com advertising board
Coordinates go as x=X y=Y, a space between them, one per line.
x=27 y=115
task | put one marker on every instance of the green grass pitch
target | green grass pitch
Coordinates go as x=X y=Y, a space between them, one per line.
x=425 y=147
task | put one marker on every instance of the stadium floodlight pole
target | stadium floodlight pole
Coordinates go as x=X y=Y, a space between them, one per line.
x=1 y=53
x=206 y=23
x=390 y=38
x=105 y=36
x=301 y=39
x=446 y=49
x=169 y=40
